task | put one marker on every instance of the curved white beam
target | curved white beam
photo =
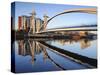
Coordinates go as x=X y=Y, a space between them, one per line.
x=82 y=10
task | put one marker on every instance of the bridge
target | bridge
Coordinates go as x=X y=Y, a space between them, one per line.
x=78 y=28
x=81 y=10
x=43 y=28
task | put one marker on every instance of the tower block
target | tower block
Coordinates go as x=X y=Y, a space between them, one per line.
x=33 y=22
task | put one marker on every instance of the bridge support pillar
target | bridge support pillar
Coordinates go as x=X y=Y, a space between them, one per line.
x=45 y=22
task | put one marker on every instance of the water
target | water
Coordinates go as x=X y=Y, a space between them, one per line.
x=32 y=56
x=84 y=47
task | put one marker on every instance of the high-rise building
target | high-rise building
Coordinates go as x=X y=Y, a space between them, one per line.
x=24 y=22
x=38 y=24
x=32 y=27
x=27 y=23
x=19 y=22
x=31 y=23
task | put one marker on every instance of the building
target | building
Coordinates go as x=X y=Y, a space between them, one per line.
x=19 y=22
x=30 y=23
x=35 y=23
x=38 y=24
x=24 y=22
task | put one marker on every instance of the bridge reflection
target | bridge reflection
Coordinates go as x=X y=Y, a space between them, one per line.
x=35 y=47
x=32 y=48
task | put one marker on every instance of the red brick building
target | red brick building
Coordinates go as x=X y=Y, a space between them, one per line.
x=19 y=22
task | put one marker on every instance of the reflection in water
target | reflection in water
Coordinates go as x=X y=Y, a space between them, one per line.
x=34 y=48
x=84 y=43
x=86 y=47
x=30 y=47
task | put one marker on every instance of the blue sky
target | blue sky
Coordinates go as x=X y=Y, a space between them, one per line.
x=65 y=20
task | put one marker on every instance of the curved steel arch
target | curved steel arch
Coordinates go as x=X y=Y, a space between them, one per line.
x=83 y=10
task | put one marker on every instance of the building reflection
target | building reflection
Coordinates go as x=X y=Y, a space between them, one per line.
x=33 y=48
x=84 y=43
x=30 y=47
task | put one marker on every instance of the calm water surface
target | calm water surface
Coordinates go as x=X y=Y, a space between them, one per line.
x=32 y=56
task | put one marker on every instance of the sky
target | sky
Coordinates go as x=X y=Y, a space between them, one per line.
x=65 y=20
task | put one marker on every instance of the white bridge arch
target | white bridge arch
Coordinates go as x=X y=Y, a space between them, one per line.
x=81 y=10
